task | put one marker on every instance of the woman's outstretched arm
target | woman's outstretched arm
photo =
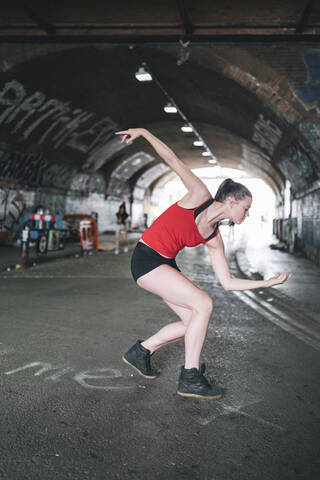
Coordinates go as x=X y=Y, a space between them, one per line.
x=192 y=183
x=221 y=268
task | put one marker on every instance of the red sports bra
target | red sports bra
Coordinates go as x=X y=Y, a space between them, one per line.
x=175 y=229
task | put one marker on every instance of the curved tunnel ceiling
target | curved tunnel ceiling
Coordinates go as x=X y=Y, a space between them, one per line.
x=58 y=114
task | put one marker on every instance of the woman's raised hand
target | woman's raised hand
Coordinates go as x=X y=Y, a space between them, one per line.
x=130 y=134
x=278 y=279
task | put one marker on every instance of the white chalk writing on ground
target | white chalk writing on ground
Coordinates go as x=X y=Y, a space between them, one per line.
x=88 y=379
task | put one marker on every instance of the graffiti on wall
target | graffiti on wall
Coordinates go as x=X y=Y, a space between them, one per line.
x=266 y=134
x=32 y=169
x=35 y=170
x=309 y=93
x=311 y=131
x=21 y=167
x=12 y=207
x=298 y=163
x=52 y=120
x=84 y=182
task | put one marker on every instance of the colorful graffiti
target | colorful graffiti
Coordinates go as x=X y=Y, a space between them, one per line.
x=309 y=93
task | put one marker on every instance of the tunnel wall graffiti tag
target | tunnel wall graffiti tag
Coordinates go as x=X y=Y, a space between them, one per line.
x=266 y=134
x=34 y=169
x=299 y=164
x=58 y=176
x=311 y=132
x=30 y=115
x=20 y=167
x=91 y=183
x=12 y=206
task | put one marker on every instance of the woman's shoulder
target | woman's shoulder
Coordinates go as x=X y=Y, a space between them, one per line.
x=193 y=200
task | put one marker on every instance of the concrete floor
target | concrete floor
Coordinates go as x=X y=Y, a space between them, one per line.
x=70 y=408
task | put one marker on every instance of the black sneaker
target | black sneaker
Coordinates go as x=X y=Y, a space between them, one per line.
x=192 y=383
x=138 y=357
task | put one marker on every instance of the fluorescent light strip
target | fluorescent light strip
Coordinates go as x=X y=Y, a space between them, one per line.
x=169 y=108
x=143 y=76
x=187 y=129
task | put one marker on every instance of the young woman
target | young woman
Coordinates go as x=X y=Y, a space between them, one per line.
x=191 y=221
x=122 y=217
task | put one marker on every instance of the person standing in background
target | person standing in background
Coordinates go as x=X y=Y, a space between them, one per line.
x=122 y=217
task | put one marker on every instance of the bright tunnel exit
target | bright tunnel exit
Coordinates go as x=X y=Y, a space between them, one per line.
x=255 y=231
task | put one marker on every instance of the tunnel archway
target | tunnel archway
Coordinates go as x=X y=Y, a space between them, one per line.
x=57 y=135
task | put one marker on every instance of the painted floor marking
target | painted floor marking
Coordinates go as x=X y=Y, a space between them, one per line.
x=229 y=409
x=83 y=378
x=280 y=319
x=284 y=316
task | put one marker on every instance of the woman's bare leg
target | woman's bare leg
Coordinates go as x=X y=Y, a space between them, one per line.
x=124 y=240
x=176 y=289
x=171 y=332
x=124 y=236
x=117 y=236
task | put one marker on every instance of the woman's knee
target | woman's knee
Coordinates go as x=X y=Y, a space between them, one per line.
x=204 y=305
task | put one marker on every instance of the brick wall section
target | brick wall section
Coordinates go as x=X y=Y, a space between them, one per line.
x=251 y=12
x=285 y=59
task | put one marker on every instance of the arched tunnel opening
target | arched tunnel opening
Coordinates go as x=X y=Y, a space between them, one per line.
x=257 y=231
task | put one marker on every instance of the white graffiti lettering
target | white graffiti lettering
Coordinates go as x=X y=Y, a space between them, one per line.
x=11 y=96
x=30 y=114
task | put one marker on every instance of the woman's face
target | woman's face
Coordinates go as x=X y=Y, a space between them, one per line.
x=239 y=209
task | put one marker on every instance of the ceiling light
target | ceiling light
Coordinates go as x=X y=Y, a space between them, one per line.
x=187 y=128
x=198 y=143
x=206 y=154
x=170 y=108
x=143 y=75
x=212 y=160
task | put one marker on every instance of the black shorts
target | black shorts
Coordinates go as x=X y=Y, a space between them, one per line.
x=144 y=259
